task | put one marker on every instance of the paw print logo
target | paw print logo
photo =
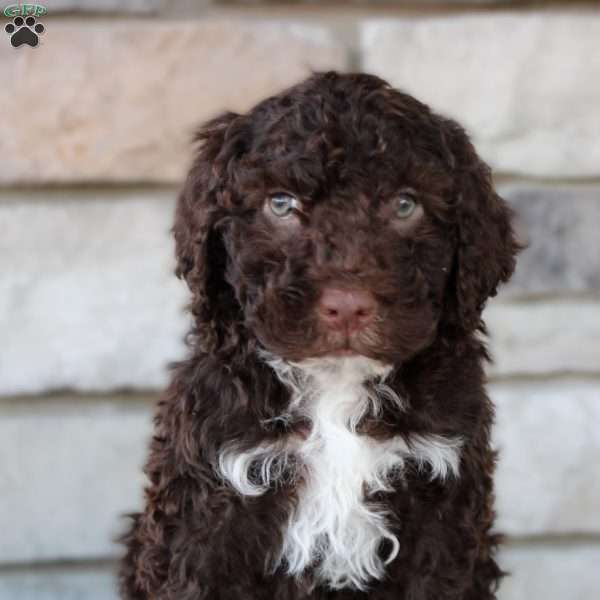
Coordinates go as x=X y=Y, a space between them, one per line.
x=24 y=31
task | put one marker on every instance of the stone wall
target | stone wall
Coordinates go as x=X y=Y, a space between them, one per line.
x=95 y=126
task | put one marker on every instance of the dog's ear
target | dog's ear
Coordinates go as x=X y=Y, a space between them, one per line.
x=202 y=207
x=486 y=247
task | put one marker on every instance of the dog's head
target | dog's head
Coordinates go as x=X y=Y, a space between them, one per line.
x=340 y=216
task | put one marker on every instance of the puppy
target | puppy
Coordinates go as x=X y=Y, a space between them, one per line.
x=328 y=435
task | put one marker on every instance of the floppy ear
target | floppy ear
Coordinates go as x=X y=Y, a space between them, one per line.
x=486 y=245
x=201 y=208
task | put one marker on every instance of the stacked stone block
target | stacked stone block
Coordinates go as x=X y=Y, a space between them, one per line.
x=95 y=135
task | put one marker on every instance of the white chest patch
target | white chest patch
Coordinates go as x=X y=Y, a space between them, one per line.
x=334 y=527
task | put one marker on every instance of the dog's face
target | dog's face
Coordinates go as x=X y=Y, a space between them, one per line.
x=347 y=269
x=340 y=217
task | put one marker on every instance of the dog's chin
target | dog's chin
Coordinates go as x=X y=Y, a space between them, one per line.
x=335 y=354
x=343 y=352
x=351 y=352
x=349 y=367
x=366 y=344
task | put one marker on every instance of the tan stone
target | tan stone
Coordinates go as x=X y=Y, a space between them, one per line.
x=119 y=101
x=99 y=6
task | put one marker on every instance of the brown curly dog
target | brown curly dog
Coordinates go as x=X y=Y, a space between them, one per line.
x=328 y=436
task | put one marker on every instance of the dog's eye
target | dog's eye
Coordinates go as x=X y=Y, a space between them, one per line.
x=405 y=206
x=282 y=205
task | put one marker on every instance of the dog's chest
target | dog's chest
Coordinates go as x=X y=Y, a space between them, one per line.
x=334 y=527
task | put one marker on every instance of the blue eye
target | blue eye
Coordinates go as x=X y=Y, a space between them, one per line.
x=282 y=205
x=405 y=206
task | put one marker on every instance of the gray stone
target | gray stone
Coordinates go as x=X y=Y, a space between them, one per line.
x=119 y=101
x=544 y=338
x=561 y=226
x=547 y=434
x=88 y=298
x=550 y=571
x=70 y=470
x=59 y=583
x=524 y=84
x=71 y=467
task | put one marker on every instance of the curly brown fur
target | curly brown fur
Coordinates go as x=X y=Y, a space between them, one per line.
x=345 y=145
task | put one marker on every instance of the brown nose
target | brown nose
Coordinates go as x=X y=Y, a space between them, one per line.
x=346 y=309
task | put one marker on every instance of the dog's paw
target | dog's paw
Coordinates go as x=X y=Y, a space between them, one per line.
x=24 y=31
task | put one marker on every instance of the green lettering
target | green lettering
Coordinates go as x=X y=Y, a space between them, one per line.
x=11 y=11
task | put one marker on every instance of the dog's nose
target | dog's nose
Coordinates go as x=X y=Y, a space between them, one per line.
x=346 y=309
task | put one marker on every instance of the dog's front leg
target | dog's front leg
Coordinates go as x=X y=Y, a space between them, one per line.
x=196 y=544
